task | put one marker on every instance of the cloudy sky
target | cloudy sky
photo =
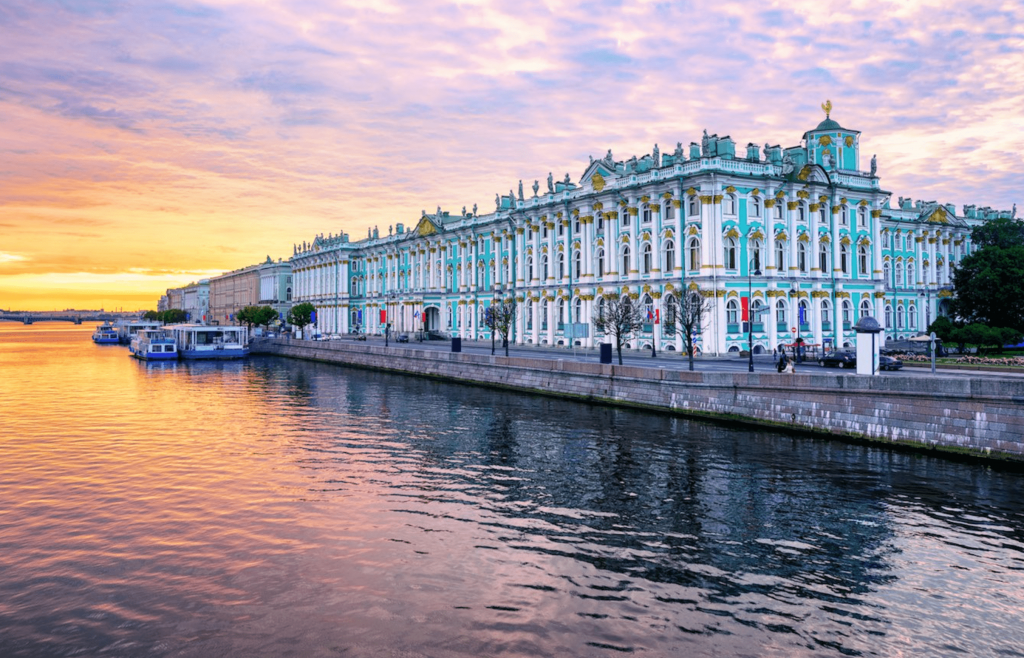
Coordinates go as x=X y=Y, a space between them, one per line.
x=144 y=145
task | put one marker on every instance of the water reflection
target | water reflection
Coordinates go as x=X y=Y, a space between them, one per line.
x=271 y=507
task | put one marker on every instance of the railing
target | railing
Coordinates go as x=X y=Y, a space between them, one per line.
x=732 y=328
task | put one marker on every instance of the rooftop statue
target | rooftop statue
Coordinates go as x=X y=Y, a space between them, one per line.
x=536 y=187
x=656 y=154
x=608 y=158
x=474 y=209
x=567 y=181
x=678 y=154
x=551 y=183
x=705 y=144
x=390 y=227
x=787 y=165
x=497 y=201
x=520 y=189
x=767 y=152
x=1013 y=213
x=874 y=164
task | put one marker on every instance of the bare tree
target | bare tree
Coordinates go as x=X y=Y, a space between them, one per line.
x=686 y=317
x=502 y=318
x=619 y=319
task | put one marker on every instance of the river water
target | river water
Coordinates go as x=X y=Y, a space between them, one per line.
x=280 y=508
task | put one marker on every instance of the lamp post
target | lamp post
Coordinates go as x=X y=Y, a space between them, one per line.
x=491 y=319
x=388 y=300
x=752 y=270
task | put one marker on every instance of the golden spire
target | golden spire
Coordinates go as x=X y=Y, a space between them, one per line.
x=827 y=106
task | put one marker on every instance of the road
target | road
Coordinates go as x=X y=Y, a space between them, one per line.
x=668 y=360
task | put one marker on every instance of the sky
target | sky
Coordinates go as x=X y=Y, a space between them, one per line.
x=146 y=145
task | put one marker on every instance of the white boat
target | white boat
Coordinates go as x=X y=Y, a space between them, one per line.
x=105 y=334
x=126 y=331
x=200 y=341
x=153 y=345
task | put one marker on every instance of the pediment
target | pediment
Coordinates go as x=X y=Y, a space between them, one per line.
x=602 y=170
x=427 y=227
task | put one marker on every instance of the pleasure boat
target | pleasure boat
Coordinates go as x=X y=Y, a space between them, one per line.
x=153 y=345
x=200 y=341
x=105 y=334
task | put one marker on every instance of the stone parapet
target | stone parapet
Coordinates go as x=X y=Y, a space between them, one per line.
x=978 y=416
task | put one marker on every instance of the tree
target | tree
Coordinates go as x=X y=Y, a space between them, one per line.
x=502 y=318
x=989 y=285
x=301 y=315
x=265 y=316
x=685 y=319
x=619 y=318
x=247 y=315
x=943 y=328
x=173 y=316
x=152 y=316
x=1002 y=233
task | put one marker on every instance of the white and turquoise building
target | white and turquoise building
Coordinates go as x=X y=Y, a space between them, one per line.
x=776 y=229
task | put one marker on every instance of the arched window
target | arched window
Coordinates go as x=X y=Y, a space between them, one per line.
x=862 y=261
x=826 y=312
x=600 y=221
x=729 y=246
x=805 y=312
x=529 y=268
x=288 y=294
x=625 y=216
x=671 y=312
x=600 y=262
x=732 y=311
x=910 y=275
x=561 y=266
x=625 y=260
x=801 y=256
x=694 y=250
x=847 y=312
x=578 y=265
x=600 y=308
x=670 y=257
x=544 y=267
x=755 y=207
x=755 y=255
x=729 y=205
x=757 y=312
x=648 y=309
x=780 y=312
x=913 y=316
x=561 y=311
x=780 y=256
x=823 y=257
x=886 y=271
x=899 y=317
x=577 y=306
x=865 y=308
x=449 y=317
x=899 y=274
x=647 y=259
x=888 y=316
x=862 y=218
x=844 y=259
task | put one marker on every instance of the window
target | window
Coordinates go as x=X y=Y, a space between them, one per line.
x=865 y=309
x=913 y=316
x=886 y=270
x=801 y=256
x=862 y=218
x=899 y=317
x=647 y=259
x=625 y=260
x=577 y=305
x=729 y=204
x=600 y=221
x=561 y=266
x=910 y=275
x=648 y=308
x=757 y=311
x=671 y=312
x=670 y=257
x=669 y=210
x=578 y=265
x=561 y=311
x=694 y=207
x=732 y=312
x=847 y=311
x=778 y=210
x=529 y=268
x=804 y=312
x=544 y=231
x=780 y=255
x=755 y=255
x=576 y=226
x=823 y=215
x=694 y=250
x=600 y=262
x=826 y=312
x=449 y=317
x=645 y=214
x=888 y=316
x=625 y=216
x=600 y=308
x=544 y=267
x=862 y=260
x=844 y=258
x=780 y=312
x=899 y=274
x=561 y=229
x=823 y=257
x=801 y=212
x=755 y=207
x=288 y=294
x=730 y=253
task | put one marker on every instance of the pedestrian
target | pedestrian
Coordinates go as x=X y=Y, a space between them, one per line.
x=775 y=355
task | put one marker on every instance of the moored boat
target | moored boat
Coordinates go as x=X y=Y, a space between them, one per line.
x=199 y=341
x=126 y=331
x=153 y=345
x=105 y=334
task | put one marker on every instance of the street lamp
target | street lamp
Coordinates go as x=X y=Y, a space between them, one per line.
x=752 y=269
x=389 y=299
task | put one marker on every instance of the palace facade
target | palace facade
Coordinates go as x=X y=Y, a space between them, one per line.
x=800 y=237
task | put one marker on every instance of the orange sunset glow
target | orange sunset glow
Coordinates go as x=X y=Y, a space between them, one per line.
x=146 y=146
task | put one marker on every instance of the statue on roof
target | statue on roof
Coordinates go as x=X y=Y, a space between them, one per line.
x=511 y=198
x=705 y=144
x=678 y=153
x=874 y=164
x=438 y=215
x=389 y=228
x=551 y=183
x=520 y=189
x=536 y=187
x=567 y=181
x=767 y=152
x=497 y=201
x=787 y=165
x=474 y=209
x=656 y=154
x=1013 y=213
x=608 y=158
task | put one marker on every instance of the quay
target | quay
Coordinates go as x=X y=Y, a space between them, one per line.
x=977 y=416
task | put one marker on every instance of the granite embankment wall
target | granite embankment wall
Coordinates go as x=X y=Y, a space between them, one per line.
x=980 y=416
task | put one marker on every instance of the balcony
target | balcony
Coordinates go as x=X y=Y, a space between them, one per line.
x=732 y=328
x=826 y=326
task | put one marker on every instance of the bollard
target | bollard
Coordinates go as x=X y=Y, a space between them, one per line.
x=456 y=344
x=606 y=352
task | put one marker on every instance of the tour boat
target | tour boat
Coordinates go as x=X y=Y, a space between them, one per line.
x=105 y=334
x=200 y=341
x=126 y=331
x=153 y=345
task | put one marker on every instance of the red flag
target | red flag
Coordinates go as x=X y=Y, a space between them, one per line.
x=657 y=316
x=746 y=308
x=383 y=316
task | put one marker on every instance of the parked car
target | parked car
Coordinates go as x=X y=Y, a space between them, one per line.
x=839 y=360
x=889 y=363
x=335 y=337
x=402 y=338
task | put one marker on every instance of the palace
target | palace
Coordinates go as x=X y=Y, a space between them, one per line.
x=800 y=238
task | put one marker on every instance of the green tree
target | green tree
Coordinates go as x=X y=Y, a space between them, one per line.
x=1001 y=233
x=989 y=285
x=943 y=328
x=301 y=315
x=264 y=316
x=247 y=316
x=152 y=316
x=173 y=316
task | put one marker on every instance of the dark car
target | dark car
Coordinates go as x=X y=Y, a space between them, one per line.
x=889 y=363
x=839 y=360
x=402 y=338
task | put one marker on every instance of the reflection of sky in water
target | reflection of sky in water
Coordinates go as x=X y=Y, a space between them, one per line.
x=272 y=506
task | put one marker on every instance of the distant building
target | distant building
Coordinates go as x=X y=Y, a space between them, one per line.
x=162 y=305
x=266 y=284
x=194 y=299
x=801 y=238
